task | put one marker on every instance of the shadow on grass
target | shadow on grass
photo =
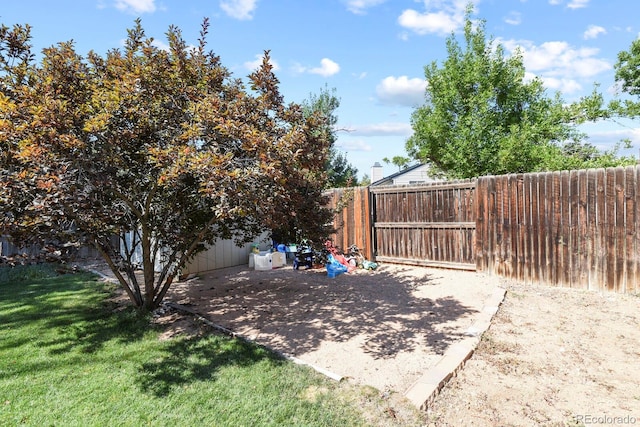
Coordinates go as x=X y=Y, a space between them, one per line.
x=65 y=312
x=72 y=315
x=189 y=360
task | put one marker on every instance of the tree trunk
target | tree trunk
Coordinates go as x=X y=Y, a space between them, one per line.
x=148 y=270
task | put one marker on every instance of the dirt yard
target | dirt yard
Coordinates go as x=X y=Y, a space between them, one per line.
x=552 y=356
x=382 y=328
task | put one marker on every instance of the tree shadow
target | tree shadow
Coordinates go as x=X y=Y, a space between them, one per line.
x=301 y=309
x=187 y=360
x=73 y=315
x=77 y=307
x=391 y=310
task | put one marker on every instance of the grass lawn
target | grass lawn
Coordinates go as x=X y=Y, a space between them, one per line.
x=68 y=358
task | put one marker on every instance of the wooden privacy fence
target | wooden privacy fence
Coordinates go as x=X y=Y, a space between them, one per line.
x=429 y=224
x=352 y=220
x=571 y=228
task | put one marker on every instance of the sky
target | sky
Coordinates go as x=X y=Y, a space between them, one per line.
x=371 y=53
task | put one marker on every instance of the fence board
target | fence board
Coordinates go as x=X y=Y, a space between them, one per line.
x=635 y=256
x=525 y=229
x=601 y=227
x=592 y=224
x=610 y=233
x=481 y=221
x=630 y=229
x=537 y=254
x=565 y=219
x=620 y=233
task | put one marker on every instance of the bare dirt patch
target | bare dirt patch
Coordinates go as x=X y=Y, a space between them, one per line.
x=552 y=357
x=381 y=328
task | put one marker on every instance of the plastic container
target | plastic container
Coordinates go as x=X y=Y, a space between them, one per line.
x=291 y=250
x=263 y=261
x=278 y=259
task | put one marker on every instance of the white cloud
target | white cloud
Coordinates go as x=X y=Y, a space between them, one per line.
x=401 y=91
x=426 y=23
x=577 y=4
x=562 y=85
x=404 y=36
x=359 y=6
x=239 y=9
x=573 y=4
x=161 y=45
x=253 y=65
x=593 y=31
x=136 y=6
x=353 y=145
x=513 y=18
x=382 y=129
x=607 y=139
x=441 y=17
x=558 y=64
x=327 y=68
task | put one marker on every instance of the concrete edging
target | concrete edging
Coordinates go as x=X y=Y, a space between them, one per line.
x=424 y=391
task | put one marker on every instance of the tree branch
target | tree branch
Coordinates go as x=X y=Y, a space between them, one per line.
x=134 y=297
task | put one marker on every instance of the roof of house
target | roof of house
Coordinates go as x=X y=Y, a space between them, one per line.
x=389 y=179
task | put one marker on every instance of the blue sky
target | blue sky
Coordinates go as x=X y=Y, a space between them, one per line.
x=373 y=52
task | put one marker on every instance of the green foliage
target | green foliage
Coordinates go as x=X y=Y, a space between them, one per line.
x=340 y=173
x=482 y=116
x=628 y=78
x=628 y=69
x=400 y=161
x=165 y=144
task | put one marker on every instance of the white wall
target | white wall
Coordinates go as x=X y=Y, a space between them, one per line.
x=417 y=175
x=224 y=253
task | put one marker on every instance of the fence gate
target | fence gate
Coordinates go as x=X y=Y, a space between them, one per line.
x=428 y=224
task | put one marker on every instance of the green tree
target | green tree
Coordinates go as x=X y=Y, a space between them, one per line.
x=162 y=144
x=340 y=173
x=628 y=69
x=628 y=77
x=483 y=117
x=400 y=161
